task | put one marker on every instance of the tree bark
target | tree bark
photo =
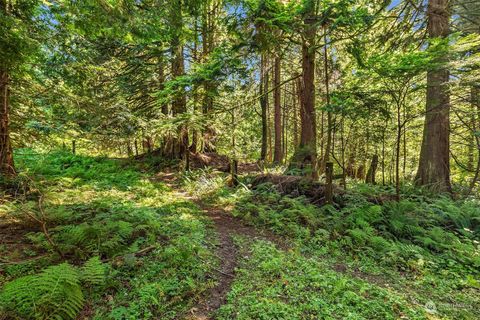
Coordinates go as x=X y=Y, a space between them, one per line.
x=397 y=154
x=195 y=135
x=328 y=148
x=434 y=165
x=383 y=153
x=208 y=31
x=296 y=98
x=285 y=126
x=343 y=145
x=129 y=149
x=372 y=171
x=306 y=157
x=264 y=106
x=278 y=152
x=167 y=143
x=7 y=167
x=234 y=160
x=179 y=104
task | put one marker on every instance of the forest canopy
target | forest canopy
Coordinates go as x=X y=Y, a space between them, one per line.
x=299 y=82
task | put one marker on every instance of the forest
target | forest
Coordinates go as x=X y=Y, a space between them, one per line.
x=239 y=159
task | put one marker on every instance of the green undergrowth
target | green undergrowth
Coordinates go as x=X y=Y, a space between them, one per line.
x=149 y=251
x=272 y=284
x=424 y=248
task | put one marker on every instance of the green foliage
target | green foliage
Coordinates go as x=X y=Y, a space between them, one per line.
x=55 y=293
x=272 y=284
x=62 y=166
x=110 y=73
x=93 y=272
x=106 y=210
x=438 y=231
x=16 y=27
x=424 y=246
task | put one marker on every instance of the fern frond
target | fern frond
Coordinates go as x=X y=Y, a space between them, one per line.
x=55 y=293
x=93 y=272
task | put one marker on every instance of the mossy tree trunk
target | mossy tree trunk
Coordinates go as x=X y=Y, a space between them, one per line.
x=264 y=105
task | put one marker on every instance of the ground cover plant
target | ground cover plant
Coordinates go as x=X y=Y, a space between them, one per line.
x=118 y=246
x=276 y=285
x=423 y=251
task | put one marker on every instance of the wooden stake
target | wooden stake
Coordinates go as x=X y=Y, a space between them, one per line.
x=329 y=185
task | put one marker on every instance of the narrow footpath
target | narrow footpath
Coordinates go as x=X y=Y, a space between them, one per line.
x=226 y=227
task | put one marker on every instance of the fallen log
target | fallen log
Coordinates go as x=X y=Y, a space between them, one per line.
x=296 y=186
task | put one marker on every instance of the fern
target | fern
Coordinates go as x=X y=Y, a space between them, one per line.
x=379 y=243
x=93 y=272
x=55 y=293
x=359 y=236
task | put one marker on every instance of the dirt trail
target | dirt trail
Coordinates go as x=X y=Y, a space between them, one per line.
x=226 y=227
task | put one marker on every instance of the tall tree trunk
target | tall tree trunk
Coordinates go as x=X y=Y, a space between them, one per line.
x=475 y=100
x=179 y=104
x=343 y=145
x=194 y=144
x=7 y=167
x=234 y=160
x=296 y=102
x=306 y=156
x=383 y=153
x=285 y=126
x=405 y=149
x=278 y=152
x=167 y=143
x=264 y=106
x=397 y=154
x=208 y=30
x=328 y=148
x=129 y=149
x=372 y=170
x=434 y=166
x=269 y=134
